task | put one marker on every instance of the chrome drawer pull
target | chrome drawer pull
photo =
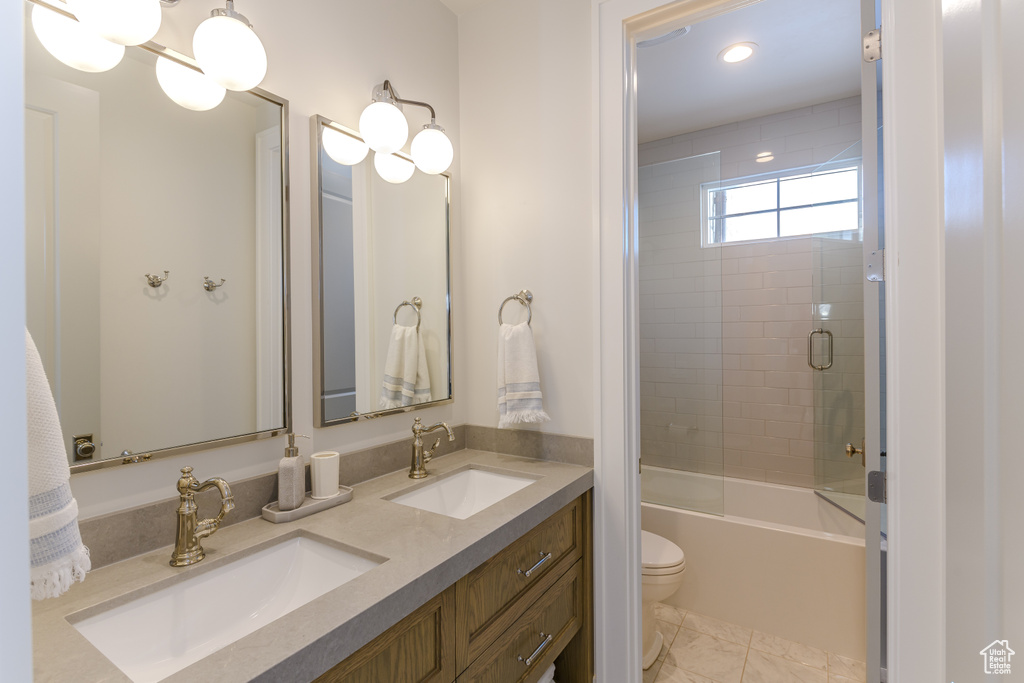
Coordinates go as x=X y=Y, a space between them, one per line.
x=532 y=569
x=532 y=658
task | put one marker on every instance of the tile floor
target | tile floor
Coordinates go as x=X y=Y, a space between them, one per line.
x=700 y=649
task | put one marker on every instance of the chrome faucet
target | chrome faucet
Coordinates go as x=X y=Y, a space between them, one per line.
x=421 y=457
x=187 y=547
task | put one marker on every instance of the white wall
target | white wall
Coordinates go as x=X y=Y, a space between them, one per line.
x=15 y=631
x=325 y=59
x=526 y=115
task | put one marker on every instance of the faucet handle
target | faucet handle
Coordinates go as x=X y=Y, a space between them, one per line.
x=428 y=454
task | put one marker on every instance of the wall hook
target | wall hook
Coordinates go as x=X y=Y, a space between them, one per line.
x=209 y=285
x=155 y=280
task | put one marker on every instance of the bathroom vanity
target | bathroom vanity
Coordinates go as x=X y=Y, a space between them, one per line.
x=506 y=620
x=446 y=599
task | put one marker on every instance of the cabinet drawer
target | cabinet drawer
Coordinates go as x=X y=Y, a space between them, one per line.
x=418 y=649
x=538 y=636
x=495 y=594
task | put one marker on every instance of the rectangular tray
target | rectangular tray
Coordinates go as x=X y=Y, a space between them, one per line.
x=272 y=513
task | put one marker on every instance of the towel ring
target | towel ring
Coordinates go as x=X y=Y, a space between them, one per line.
x=524 y=297
x=416 y=303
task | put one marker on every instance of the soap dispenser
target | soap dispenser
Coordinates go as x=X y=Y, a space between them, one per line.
x=291 y=477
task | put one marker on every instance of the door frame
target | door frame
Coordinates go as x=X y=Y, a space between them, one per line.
x=914 y=340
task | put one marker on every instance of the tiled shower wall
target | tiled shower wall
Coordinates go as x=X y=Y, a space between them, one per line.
x=751 y=413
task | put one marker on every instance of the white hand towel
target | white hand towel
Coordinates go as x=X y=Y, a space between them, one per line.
x=549 y=675
x=58 y=557
x=519 y=397
x=406 y=380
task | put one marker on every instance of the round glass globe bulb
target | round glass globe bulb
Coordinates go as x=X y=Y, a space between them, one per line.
x=384 y=127
x=432 y=151
x=190 y=88
x=344 y=149
x=74 y=44
x=230 y=53
x=393 y=169
x=125 y=22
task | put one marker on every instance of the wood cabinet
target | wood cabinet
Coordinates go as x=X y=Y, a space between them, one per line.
x=418 y=649
x=504 y=622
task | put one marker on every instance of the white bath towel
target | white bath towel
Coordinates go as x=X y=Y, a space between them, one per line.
x=57 y=554
x=406 y=380
x=519 y=397
x=549 y=675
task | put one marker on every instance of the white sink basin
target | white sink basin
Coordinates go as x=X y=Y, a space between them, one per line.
x=464 y=493
x=155 y=635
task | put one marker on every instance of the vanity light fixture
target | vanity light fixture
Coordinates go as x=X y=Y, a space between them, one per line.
x=737 y=53
x=383 y=126
x=343 y=148
x=432 y=150
x=73 y=43
x=229 y=51
x=392 y=167
x=188 y=87
x=125 y=22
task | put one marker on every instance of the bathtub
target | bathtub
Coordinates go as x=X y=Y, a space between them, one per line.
x=780 y=560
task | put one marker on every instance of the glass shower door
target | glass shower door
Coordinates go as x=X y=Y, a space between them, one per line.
x=681 y=439
x=836 y=357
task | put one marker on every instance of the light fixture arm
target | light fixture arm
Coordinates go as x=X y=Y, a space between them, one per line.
x=391 y=92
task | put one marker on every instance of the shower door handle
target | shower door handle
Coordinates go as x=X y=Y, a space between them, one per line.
x=810 y=349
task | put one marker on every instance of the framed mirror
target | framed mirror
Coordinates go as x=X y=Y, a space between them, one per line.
x=156 y=259
x=381 y=275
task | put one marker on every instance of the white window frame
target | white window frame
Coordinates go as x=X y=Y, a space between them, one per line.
x=717 y=185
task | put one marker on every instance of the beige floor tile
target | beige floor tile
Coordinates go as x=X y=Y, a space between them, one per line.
x=844 y=666
x=668 y=632
x=787 y=649
x=670 y=674
x=840 y=679
x=700 y=653
x=668 y=613
x=717 y=628
x=762 y=667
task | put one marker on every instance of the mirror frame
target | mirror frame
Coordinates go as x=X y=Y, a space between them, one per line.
x=317 y=123
x=197 y=446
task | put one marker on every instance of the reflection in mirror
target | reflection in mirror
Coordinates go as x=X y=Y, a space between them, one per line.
x=381 y=258
x=132 y=200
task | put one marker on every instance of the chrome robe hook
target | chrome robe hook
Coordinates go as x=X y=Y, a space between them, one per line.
x=209 y=285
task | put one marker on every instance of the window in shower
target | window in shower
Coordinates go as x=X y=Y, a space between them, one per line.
x=793 y=203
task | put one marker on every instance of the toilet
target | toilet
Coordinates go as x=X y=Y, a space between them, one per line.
x=663 y=564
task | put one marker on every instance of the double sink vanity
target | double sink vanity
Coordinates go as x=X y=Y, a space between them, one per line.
x=479 y=572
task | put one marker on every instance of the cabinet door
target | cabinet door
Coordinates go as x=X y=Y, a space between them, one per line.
x=530 y=645
x=418 y=649
x=495 y=594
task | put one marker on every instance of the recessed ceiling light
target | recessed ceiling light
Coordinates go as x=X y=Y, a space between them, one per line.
x=763 y=157
x=737 y=53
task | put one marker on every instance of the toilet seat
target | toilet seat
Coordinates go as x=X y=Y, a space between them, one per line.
x=660 y=556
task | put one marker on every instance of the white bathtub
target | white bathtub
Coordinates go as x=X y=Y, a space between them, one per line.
x=780 y=560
